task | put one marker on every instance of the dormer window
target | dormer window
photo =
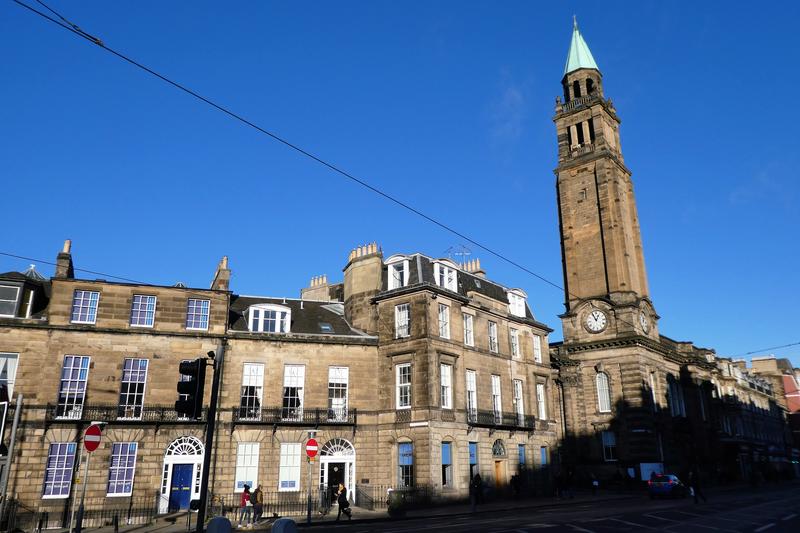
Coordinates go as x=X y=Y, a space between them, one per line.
x=269 y=319
x=445 y=276
x=398 y=272
x=8 y=300
x=516 y=302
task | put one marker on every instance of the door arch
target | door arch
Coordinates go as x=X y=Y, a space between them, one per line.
x=183 y=459
x=334 y=454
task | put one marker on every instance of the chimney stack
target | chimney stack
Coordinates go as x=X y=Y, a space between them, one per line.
x=363 y=276
x=318 y=289
x=473 y=266
x=222 y=277
x=64 y=268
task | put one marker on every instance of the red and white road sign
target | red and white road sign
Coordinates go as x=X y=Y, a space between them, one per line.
x=91 y=439
x=311 y=448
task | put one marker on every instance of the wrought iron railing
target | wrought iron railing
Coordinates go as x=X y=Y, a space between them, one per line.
x=119 y=413
x=578 y=102
x=498 y=419
x=295 y=416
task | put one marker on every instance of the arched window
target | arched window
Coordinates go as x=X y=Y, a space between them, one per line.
x=498 y=448
x=576 y=89
x=589 y=86
x=603 y=397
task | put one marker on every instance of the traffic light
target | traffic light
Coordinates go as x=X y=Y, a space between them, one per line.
x=190 y=387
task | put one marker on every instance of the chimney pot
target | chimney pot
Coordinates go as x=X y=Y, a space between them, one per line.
x=67 y=246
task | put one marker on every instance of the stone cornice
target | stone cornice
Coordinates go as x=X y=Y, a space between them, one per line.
x=633 y=341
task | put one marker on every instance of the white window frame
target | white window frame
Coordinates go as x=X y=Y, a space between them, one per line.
x=8 y=371
x=198 y=307
x=403 y=385
x=62 y=462
x=497 y=398
x=609 y=440
x=541 y=400
x=445 y=276
x=132 y=400
x=516 y=302
x=294 y=377
x=257 y=320
x=493 y=344
x=446 y=385
x=140 y=310
x=17 y=288
x=289 y=469
x=603 y=389
x=338 y=382
x=444 y=321
x=537 y=348
x=402 y=321
x=74 y=394
x=251 y=397
x=519 y=402
x=88 y=301
x=469 y=329
x=513 y=334
x=472 y=395
x=119 y=465
x=447 y=468
x=395 y=266
x=246 y=466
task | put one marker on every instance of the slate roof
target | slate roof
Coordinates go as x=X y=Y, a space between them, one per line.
x=467 y=282
x=305 y=320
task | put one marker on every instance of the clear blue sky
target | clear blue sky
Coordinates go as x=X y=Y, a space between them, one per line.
x=447 y=105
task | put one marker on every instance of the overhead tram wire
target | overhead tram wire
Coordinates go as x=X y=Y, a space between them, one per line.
x=69 y=26
x=76 y=269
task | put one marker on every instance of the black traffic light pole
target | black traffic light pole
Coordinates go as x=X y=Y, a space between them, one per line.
x=216 y=364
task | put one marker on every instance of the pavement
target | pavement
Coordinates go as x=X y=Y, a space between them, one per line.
x=769 y=509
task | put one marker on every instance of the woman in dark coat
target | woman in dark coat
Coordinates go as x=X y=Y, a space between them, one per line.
x=344 y=504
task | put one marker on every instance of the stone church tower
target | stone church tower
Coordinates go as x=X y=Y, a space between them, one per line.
x=614 y=367
x=605 y=280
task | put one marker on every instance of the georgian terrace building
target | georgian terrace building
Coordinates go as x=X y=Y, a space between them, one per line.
x=413 y=372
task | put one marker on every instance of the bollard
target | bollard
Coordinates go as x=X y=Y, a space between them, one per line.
x=219 y=524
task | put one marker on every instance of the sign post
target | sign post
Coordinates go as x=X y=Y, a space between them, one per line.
x=91 y=440
x=311 y=452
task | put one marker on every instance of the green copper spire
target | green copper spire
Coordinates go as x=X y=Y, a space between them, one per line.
x=579 y=55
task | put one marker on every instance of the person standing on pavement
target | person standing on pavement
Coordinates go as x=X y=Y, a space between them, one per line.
x=344 y=503
x=475 y=488
x=245 y=509
x=694 y=486
x=257 y=498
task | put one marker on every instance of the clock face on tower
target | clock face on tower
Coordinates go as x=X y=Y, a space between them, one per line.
x=644 y=322
x=596 y=321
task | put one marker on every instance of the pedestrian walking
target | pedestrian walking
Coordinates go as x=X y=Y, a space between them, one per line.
x=245 y=509
x=694 y=486
x=344 y=503
x=475 y=489
x=257 y=498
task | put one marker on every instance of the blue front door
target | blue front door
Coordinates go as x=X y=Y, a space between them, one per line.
x=180 y=491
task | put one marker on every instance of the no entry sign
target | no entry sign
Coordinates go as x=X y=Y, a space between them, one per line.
x=91 y=439
x=311 y=448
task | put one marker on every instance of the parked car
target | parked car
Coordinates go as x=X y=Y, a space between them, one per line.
x=666 y=486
